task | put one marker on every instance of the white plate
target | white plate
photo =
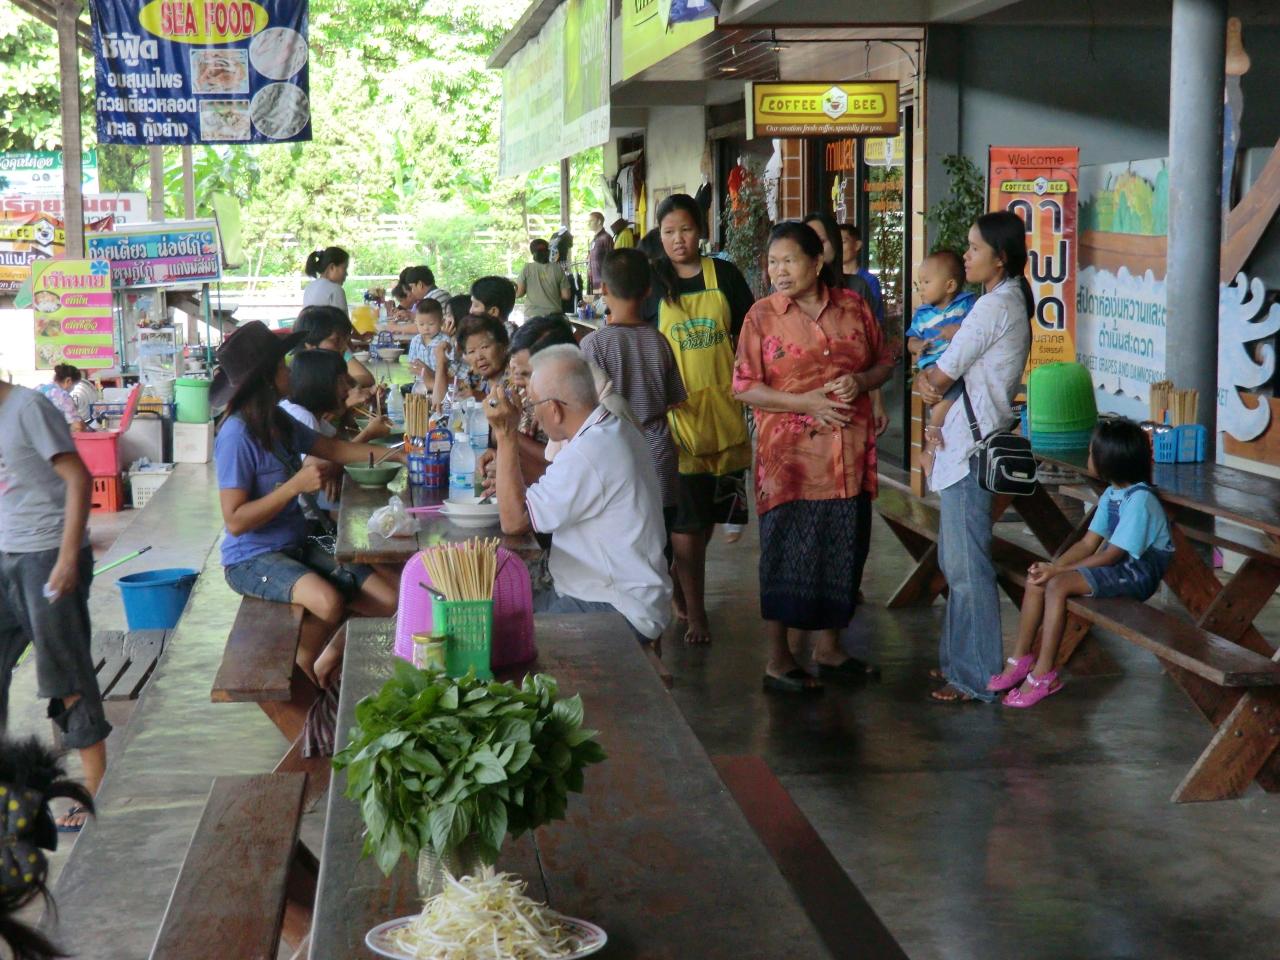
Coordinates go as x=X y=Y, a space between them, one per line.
x=470 y=507
x=470 y=521
x=591 y=938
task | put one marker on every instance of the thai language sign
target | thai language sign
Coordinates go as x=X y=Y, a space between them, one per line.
x=123 y=207
x=40 y=172
x=154 y=255
x=1039 y=184
x=28 y=237
x=71 y=303
x=555 y=89
x=201 y=71
x=1120 y=301
x=822 y=109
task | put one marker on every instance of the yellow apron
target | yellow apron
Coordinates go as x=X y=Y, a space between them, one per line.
x=708 y=428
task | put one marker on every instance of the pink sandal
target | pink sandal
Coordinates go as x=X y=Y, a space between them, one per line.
x=1014 y=674
x=1040 y=687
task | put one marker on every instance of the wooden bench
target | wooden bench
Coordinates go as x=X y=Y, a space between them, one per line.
x=246 y=879
x=259 y=665
x=1244 y=685
x=915 y=523
x=123 y=663
x=846 y=922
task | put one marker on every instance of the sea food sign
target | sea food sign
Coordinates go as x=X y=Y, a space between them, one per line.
x=201 y=71
x=822 y=109
x=152 y=255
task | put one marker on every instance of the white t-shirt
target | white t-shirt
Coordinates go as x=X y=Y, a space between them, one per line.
x=308 y=419
x=990 y=352
x=322 y=292
x=601 y=500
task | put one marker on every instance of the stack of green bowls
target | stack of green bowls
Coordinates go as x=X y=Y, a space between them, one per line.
x=1061 y=409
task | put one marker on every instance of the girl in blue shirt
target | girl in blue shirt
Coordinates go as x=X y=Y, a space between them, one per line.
x=1124 y=554
x=259 y=459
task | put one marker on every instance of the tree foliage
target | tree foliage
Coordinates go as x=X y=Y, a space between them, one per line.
x=403 y=162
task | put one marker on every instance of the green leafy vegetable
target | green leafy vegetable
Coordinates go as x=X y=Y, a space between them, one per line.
x=433 y=761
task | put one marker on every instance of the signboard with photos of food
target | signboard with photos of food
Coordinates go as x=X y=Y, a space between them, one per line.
x=201 y=71
x=155 y=254
x=71 y=303
x=28 y=237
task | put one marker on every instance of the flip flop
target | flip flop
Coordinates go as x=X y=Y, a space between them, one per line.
x=949 y=696
x=851 y=669
x=75 y=811
x=794 y=681
x=937 y=676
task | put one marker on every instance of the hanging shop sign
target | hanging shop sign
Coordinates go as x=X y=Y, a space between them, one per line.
x=884 y=151
x=123 y=207
x=822 y=109
x=40 y=172
x=1040 y=185
x=201 y=71
x=151 y=255
x=28 y=237
x=555 y=89
x=650 y=35
x=71 y=304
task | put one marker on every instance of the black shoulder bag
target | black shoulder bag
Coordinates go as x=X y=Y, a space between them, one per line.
x=1006 y=464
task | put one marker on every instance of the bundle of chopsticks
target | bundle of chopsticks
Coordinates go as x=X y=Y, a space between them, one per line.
x=417 y=415
x=1182 y=406
x=463 y=571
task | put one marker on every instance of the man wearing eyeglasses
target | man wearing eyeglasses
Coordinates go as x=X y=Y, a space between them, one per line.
x=599 y=498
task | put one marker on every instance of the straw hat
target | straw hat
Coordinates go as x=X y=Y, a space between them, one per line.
x=247 y=353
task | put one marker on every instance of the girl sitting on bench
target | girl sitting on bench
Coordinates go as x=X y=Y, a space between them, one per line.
x=267 y=551
x=1124 y=554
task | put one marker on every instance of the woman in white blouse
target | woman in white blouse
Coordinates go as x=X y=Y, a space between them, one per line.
x=989 y=354
x=328 y=267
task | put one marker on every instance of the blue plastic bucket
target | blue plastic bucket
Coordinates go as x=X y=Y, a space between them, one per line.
x=154 y=599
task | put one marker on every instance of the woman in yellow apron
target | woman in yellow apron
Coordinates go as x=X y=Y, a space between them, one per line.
x=700 y=306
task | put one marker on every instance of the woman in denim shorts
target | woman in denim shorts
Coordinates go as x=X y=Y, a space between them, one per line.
x=267 y=551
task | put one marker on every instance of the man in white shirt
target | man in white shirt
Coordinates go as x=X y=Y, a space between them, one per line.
x=600 y=498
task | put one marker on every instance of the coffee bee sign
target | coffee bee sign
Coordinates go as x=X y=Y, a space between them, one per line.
x=822 y=109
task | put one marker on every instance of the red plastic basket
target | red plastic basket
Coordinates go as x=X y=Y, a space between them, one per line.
x=107 y=495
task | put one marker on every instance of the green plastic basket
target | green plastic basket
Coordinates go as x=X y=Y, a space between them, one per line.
x=1060 y=398
x=469 y=624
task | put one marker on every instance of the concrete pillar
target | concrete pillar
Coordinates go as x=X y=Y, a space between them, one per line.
x=1196 y=81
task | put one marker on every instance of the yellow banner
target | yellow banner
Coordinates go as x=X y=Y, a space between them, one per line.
x=647 y=39
x=822 y=109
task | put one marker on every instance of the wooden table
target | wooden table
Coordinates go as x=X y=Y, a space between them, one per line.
x=357 y=545
x=655 y=851
x=1195 y=496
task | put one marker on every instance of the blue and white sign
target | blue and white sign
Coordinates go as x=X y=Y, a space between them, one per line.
x=201 y=71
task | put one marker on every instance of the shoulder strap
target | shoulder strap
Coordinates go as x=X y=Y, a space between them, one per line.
x=968 y=409
x=709 y=278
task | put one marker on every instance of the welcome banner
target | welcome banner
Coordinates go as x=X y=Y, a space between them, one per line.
x=1040 y=184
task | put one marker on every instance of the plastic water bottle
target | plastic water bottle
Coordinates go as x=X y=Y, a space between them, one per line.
x=462 y=467
x=477 y=428
x=395 y=405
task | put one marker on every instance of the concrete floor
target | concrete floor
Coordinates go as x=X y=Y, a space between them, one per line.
x=978 y=832
x=974 y=832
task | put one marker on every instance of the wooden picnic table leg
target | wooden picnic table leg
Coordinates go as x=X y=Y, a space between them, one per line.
x=300 y=896
x=1244 y=743
x=926 y=581
x=1048 y=523
x=290 y=717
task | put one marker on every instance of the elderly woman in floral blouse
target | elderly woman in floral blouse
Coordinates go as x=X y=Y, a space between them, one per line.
x=807 y=359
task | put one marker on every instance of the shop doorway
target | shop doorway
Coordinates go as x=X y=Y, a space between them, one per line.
x=865 y=182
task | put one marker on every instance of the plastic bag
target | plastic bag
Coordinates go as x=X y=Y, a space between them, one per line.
x=392 y=520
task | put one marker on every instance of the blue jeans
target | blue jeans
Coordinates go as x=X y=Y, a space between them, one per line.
x=971 y=650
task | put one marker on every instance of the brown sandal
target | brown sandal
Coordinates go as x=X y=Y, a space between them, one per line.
x=950 y=695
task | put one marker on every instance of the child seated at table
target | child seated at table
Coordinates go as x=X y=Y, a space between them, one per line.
x=429 y=320
x=1125 y=554
x=933 y=325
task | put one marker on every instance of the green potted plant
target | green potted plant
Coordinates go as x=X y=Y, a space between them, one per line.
x=444 y=769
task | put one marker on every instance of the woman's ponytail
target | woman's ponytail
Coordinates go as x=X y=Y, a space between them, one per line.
x=318 y=261
x=312 y=266
x=1027 y=296
x=1006 y=233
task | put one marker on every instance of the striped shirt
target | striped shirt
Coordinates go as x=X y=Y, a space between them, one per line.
x=425 y=351
x=643 y=370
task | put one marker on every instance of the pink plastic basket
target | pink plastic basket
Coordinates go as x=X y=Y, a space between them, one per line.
x=512 y=610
